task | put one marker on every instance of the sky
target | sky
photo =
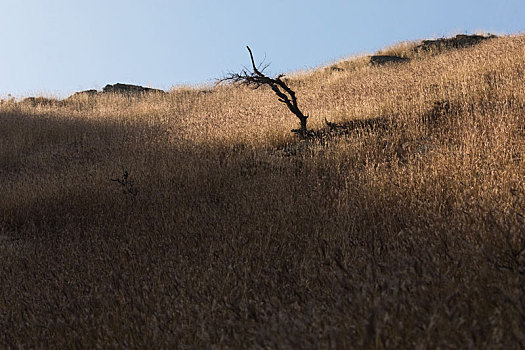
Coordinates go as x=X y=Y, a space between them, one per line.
x=56 y=47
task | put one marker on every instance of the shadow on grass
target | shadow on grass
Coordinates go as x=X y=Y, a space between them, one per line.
x=230 y=247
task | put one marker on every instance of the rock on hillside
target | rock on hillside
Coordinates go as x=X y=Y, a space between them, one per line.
x=129 y=89
x=433 y=46
x=119 y=88
x=86 y=92
x=378 y=60
x=457 y=42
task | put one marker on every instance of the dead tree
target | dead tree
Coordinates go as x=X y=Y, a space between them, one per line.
x=257 y=78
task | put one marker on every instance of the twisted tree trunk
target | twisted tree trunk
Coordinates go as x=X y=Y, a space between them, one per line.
x=286 y=95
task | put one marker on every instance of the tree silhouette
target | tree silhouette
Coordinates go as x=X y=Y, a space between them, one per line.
x=256 y=78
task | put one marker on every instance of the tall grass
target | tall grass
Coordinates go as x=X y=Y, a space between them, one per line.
x=228 y=231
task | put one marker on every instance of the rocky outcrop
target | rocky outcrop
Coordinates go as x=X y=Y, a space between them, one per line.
x=457 y=42
x=129 y=89
x=86 y=93
x=118 y=88
x=432 y=47
x=379 y=60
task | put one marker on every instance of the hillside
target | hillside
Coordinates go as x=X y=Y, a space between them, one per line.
x=196 y=219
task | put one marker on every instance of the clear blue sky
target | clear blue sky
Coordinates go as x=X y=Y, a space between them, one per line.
x=56 y=47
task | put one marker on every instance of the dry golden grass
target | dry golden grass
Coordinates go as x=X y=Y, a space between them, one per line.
x=231 y=233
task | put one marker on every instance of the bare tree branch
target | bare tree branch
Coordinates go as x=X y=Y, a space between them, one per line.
x=257 y=78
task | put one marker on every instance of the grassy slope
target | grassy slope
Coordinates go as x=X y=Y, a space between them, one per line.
x=230 y=232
